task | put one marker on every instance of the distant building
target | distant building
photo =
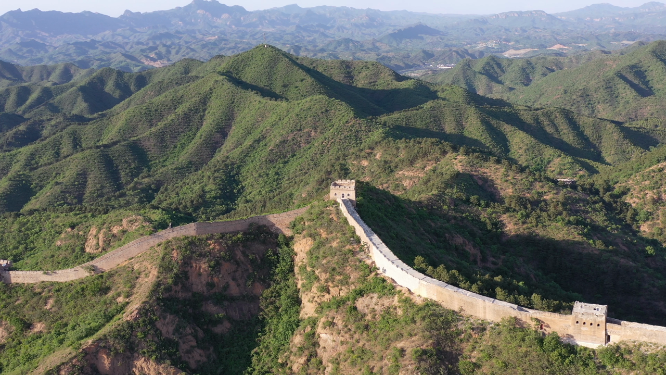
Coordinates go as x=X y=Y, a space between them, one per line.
x=567 y=181
x=343 y=189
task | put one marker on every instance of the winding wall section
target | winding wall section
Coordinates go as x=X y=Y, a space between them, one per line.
x=575 y=329
x=276 y=222
x=567 y=326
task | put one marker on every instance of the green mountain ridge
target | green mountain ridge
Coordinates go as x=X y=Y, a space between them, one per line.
x=11 y=75
x=624 y=87
x=173 y=127
x=265 y=131
x=460 y=186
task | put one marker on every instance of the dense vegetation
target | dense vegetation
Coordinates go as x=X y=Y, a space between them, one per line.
x=625 y=86
x=169 y=137
x=40 y=320
x=496 y=229
x=509 y=349
x=354 y=322
x=266 y=131
x=193 y=304
x=201 y=312
x=460 y=186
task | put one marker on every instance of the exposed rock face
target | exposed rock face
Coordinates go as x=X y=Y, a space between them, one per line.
x=98 y=240
x=205 y=290
x=5 y=331
x=99 y=360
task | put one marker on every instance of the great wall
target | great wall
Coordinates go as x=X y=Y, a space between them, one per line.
x=112 y=259
x=588 y=325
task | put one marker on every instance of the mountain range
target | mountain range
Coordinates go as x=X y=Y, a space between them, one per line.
x=461 y=186
x=398 y=39
x=623 y=86
x=266 y=131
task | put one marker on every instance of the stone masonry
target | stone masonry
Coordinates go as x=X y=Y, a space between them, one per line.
x=588 y=324
x=277 y=222
x=343 y=189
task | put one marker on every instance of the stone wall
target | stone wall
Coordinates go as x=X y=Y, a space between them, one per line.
x=277 y=222
x=618 y=330
x=487 y=308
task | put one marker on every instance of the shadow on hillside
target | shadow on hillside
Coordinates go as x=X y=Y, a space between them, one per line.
x=9 y=121
x=408 y=132
x=394 y=100
x=248 y=86
x=373 y=102
x=604 y=277
x=588 y=151
x=640 y=139
x=641 y=88
x=448 y=231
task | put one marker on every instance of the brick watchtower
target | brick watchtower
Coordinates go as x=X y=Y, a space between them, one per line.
x=343 y=189
x=589 y=323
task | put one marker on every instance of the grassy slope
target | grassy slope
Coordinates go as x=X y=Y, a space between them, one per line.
x=492 y=75
x=351 y=321
x=640 y=185
x=46 y=75
x=38 y=320
x=509 y=233
x=326 y=311
x=201 y=305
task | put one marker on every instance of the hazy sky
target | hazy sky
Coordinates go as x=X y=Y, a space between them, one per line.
x=116 y=7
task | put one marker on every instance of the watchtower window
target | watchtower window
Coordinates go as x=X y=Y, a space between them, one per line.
x=598 y=325
x=583 y=323
x=576 y=322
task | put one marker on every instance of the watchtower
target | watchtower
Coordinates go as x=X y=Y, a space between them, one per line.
x=589 y=323
x=343 y=189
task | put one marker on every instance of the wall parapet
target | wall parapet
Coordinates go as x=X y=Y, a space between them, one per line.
x=276 y=222
x=569 y=327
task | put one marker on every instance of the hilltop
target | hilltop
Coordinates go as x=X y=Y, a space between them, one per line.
x=124 y=136
x=626 y=86
x=265 y=131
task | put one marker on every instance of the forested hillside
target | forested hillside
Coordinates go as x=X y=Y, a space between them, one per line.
x=257 y=303
x=626 y=86
x=460 y=186
x=274 y=127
